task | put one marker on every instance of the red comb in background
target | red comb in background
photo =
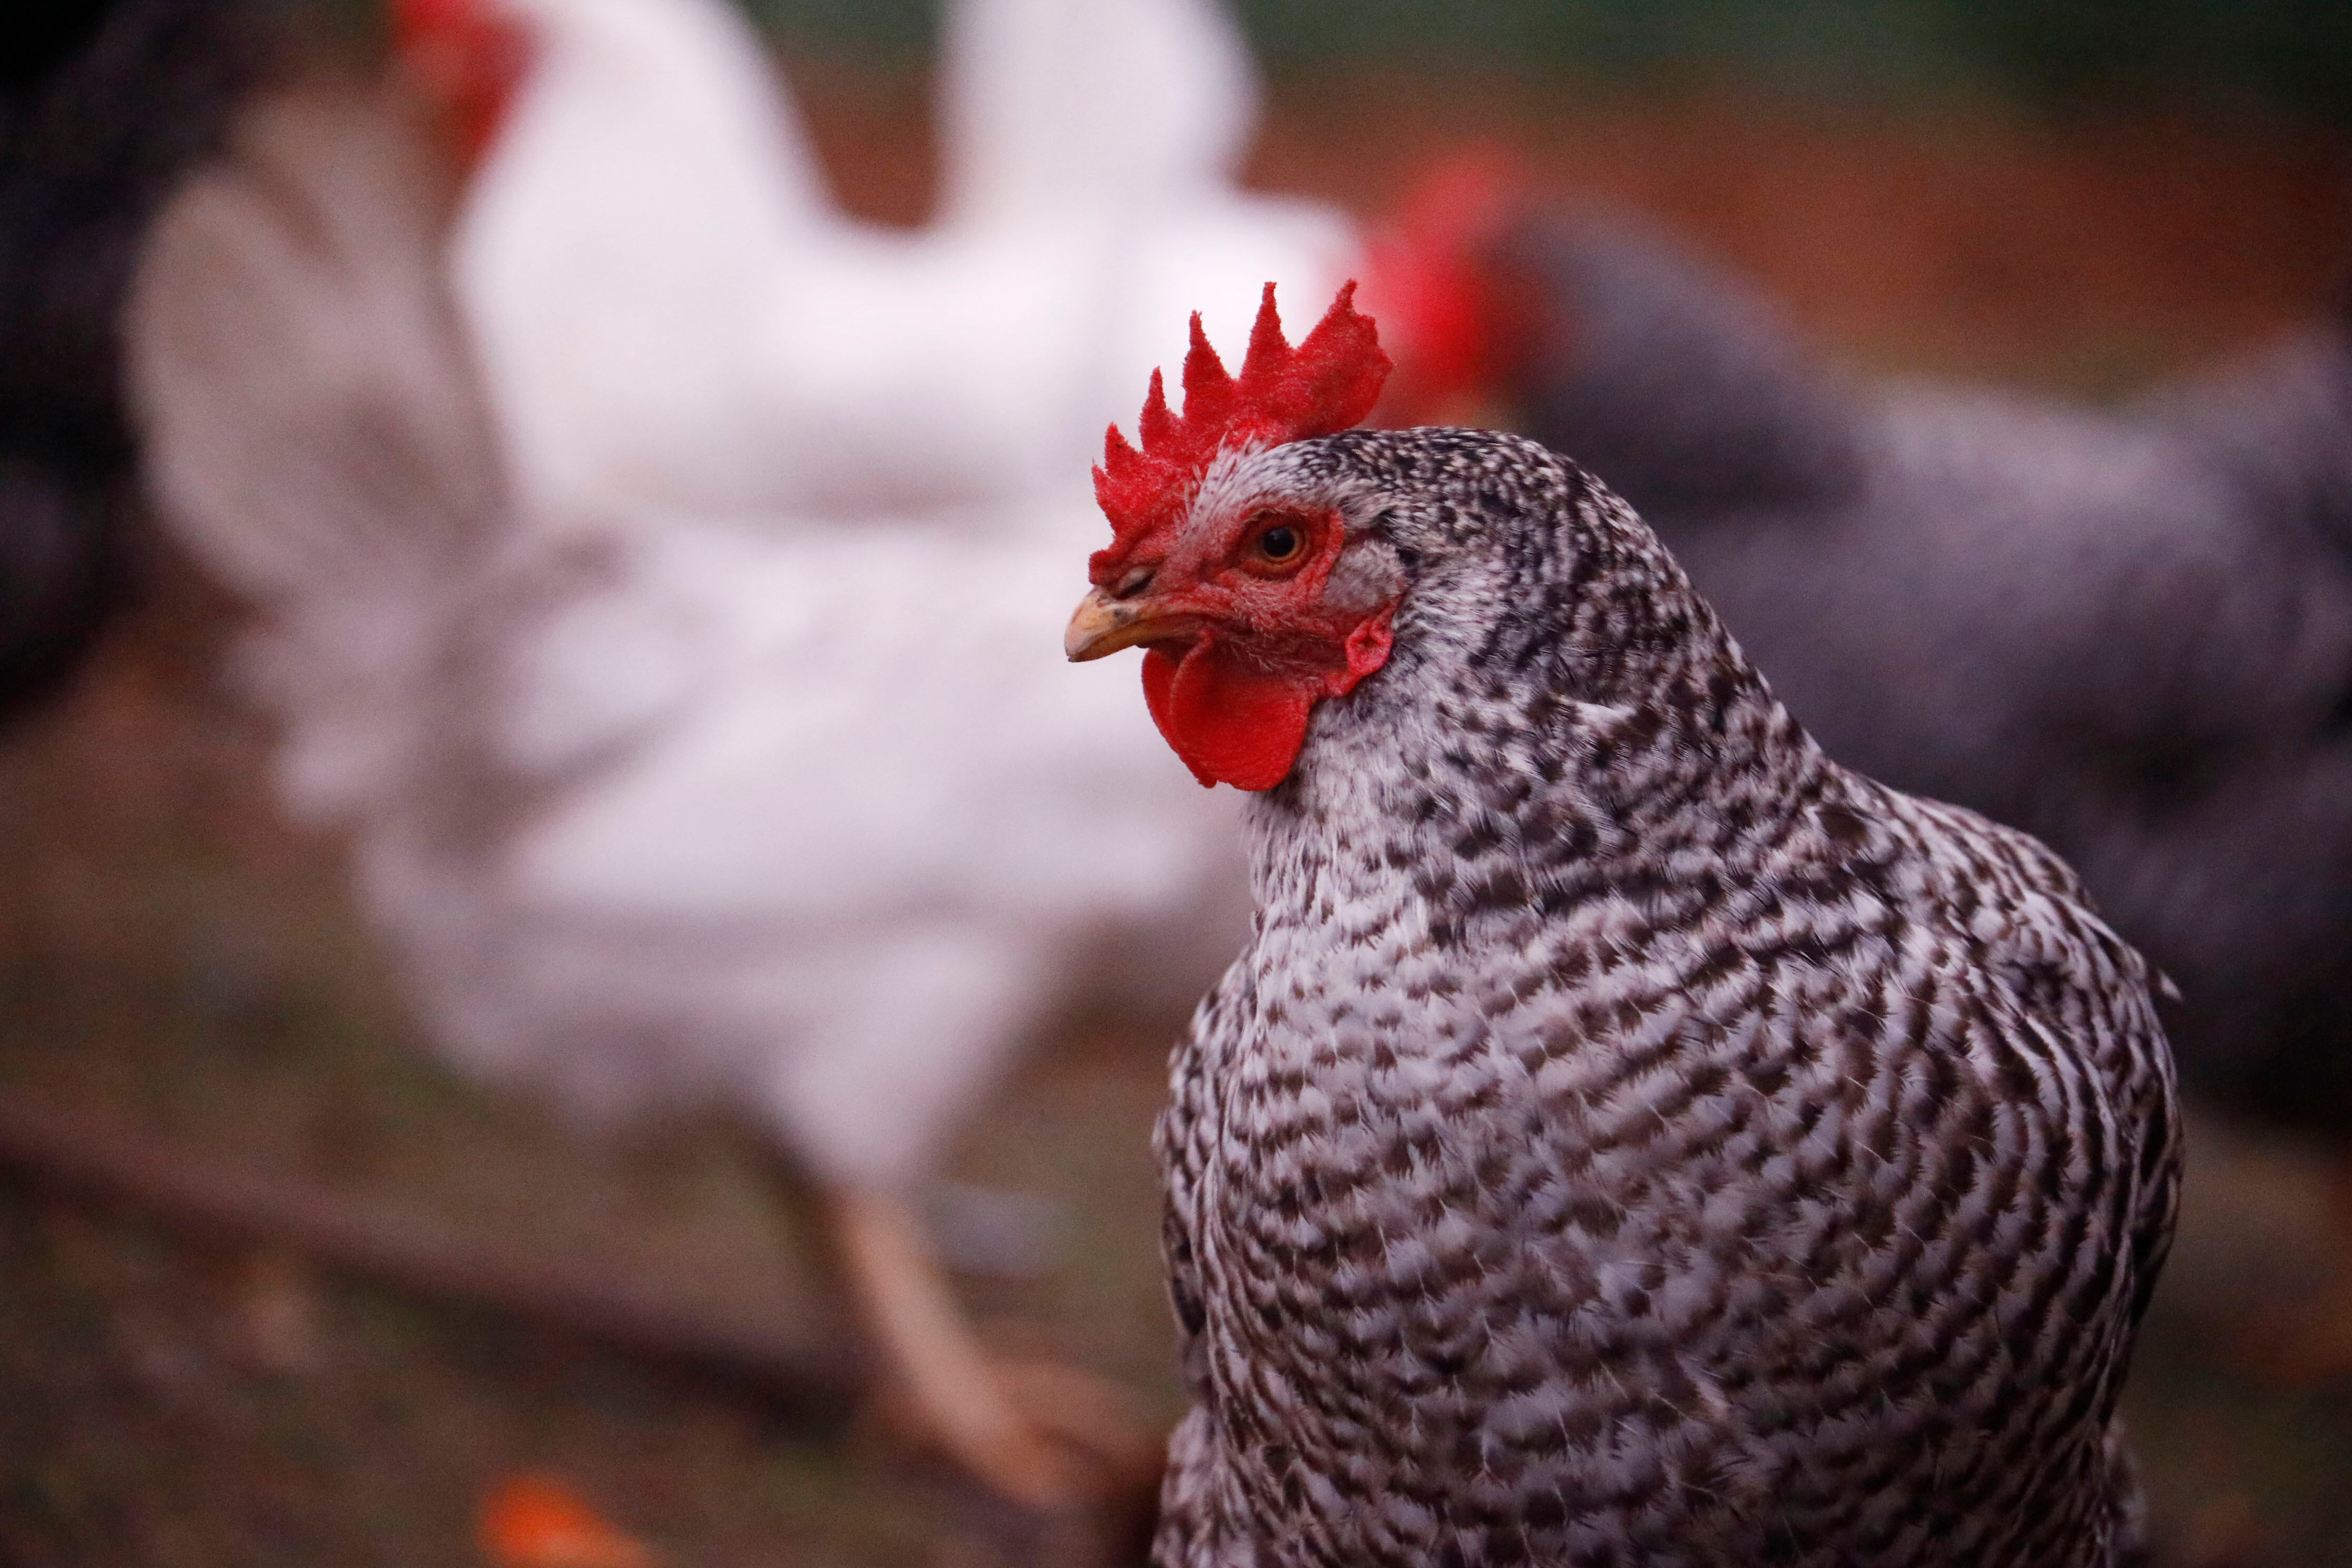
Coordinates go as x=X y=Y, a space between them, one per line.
x=1428 y=277
x=1327 y=382
x=469 y=56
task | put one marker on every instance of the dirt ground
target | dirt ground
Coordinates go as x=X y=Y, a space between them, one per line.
x=180 y=977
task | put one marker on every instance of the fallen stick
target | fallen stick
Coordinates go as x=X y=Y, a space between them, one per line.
x=809 y=1372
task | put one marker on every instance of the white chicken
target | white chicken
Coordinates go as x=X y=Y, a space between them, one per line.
x=670 y=308
x=699 y=724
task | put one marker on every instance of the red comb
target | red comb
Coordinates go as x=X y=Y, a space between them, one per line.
x=1432 y=278
x=1327 y=382
x=469 y=57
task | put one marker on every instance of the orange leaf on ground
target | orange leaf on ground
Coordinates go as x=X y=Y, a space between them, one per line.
x=533 y=1522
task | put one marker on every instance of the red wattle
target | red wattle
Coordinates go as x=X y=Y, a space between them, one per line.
x=1231 y=721
x=1235 y=721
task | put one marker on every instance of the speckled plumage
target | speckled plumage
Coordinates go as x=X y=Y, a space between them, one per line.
x=2127 y=630
x=1630 y=1137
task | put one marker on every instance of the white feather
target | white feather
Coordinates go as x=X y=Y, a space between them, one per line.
x=687 y=676
x=671 y=311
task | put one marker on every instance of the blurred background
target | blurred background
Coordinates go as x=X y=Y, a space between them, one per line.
x=276 y=1287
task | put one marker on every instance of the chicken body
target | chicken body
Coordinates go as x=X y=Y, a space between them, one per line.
x=1630 y=1137
x=792 y=814
x=720 y=830
x=2128 y=631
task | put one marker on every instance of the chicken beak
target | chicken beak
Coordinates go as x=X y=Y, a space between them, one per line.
x=1104 y=626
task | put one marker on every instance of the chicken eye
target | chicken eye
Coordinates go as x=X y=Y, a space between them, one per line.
x=1277 y=544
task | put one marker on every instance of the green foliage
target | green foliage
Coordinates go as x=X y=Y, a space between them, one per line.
x=889 y=28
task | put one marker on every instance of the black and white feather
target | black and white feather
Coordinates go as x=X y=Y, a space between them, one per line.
x=2128 y=631
x=1628 y=1136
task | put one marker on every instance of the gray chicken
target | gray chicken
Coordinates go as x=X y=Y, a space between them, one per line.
x=1628 y=1136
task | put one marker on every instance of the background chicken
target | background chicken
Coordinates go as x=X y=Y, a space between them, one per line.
x=670 y=308
x=1627 y=1135
x=78 y=183
x=699 y=803
x=2127 y=632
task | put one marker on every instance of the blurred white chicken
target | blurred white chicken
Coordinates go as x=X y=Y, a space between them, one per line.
x=688 y=680
x=669 y=307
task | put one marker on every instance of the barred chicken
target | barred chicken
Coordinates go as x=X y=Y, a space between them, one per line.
x=2126 y=630
x=1628 y=1136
